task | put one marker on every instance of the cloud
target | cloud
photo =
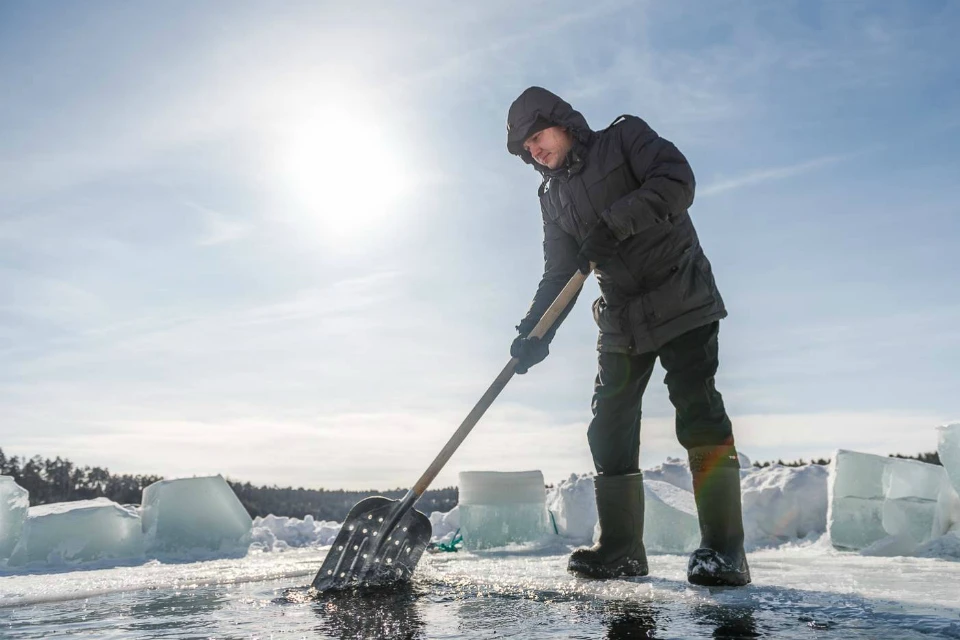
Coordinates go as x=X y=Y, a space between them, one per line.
x=760 y=176
x=218 y=227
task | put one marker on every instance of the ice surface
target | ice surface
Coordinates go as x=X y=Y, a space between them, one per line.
x=670 y=518
x=187 y=514
x=855 y=516
x=783 y=504
x=498 y=508
x=14 y=501
x=574 y=507
x=78 y=532
x=948 y=447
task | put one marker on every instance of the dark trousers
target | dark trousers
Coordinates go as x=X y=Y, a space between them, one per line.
x=690 y=361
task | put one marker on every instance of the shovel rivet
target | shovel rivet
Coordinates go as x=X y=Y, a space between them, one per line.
x=397 y=543
x=343 y=573
x=364 y=530
x=404 y=528
x=369 y=517
x=340 y=548
x=329 y=571
x=381 y=519
x=364 y=555
x=389 y=561
x=375 y=532
x=355 y=547
x=408 y=549
x=350 y=528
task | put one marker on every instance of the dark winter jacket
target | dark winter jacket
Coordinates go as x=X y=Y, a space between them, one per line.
x=659 y=284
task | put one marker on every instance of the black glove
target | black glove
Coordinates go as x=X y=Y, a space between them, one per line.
x=529 y=351
x=599 y=246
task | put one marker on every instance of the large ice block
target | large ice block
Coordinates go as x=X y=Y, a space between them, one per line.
x=574 y=507
x=78 y=532
x=14 y=501
x=911 y=489
x=498 y=508
x=670 y=518
x=948 y=447
x=782 y=504
x=187 y=514
x=855 y=512
x=674 y=471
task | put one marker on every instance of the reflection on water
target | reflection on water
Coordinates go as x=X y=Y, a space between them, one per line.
x=630 y=620
x=371 y=613
x=728 y=623
x=191 y=608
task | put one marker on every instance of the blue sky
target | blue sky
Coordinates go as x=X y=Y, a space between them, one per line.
x=285 y=242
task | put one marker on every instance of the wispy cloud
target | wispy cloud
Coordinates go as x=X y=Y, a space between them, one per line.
x=219 y=228
x=761 y=176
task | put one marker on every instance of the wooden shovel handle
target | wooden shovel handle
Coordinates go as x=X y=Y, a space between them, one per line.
x=546 y=321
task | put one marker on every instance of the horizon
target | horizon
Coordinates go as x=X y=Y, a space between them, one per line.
x=286 y=243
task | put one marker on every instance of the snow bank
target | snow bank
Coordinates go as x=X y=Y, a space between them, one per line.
x=574 y=508
x=276 y=533
x=783 y=504
x=670 y=522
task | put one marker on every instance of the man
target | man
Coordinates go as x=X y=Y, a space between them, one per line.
x=618 y=198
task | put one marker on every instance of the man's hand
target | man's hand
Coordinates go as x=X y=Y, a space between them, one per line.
x=599 y=246
x=529 y=351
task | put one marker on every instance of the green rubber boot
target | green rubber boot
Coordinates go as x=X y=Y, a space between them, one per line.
x=619 y=551
x=720 y=561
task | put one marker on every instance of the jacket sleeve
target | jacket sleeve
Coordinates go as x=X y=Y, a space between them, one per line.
x=666 y=181
x=559 y=264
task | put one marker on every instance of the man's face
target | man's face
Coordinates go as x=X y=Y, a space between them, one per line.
x=549 y=147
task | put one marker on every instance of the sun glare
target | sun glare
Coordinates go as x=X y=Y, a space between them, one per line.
x=341 y=173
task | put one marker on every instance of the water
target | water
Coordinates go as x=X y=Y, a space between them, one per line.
x=500 y=594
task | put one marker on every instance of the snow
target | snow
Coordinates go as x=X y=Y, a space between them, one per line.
x=194 y=515
x=783 y=504
x=67 y=533
x=498 y=508
x=274 y=533
x=574 y=507
x=14 y=501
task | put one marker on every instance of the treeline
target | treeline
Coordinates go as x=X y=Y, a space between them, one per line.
x=930 y=458
x=60 y=480
x=326 y=504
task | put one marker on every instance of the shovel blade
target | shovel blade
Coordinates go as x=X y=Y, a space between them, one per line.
x=379 y=543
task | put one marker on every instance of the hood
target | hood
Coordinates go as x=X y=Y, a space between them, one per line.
x=538 y=102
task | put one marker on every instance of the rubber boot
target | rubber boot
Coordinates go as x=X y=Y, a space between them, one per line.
x=720 y=560
x=619 y=550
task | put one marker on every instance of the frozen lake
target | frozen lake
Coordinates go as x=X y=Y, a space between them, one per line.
x=798 y=592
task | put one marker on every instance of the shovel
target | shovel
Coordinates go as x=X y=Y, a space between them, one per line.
x=381 y=540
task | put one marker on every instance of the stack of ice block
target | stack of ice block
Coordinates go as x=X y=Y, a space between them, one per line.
x=499 y=508
x=873 y=497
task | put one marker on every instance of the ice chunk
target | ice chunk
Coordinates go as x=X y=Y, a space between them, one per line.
x=948 y=447
x=670 y=518
x=497 y=508
x=77 y=532
x=14 y=501
x=911 y=489
x=574 y=507
x=188 y=514
x=674 y=471
x=782 y=504
x=855 y=512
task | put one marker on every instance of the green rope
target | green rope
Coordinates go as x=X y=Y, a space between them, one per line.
x=553 y=521
x=449 y=546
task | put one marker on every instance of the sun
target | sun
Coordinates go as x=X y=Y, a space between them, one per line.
x=340 y=172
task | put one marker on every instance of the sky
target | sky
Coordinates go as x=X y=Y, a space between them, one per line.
x=284 y=241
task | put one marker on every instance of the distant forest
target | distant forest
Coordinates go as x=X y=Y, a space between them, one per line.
x=931 y=458
x=60 y=480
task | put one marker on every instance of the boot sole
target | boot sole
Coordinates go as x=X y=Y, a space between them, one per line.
x=601 y=573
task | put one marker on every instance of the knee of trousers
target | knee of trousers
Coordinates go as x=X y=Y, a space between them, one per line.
x=703 y=434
